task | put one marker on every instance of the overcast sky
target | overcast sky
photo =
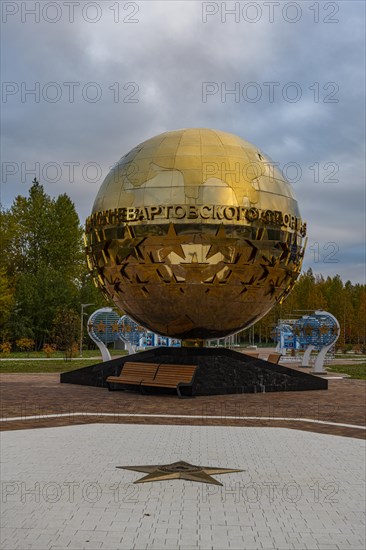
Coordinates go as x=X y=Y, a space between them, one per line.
x=110 y=74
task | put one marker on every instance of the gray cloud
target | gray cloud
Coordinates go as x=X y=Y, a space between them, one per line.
x=169 y=53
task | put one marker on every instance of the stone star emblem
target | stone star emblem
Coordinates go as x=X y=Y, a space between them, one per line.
x=179 y=470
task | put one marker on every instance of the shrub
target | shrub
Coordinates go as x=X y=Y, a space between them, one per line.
x=75 y=350
x=347 y=348
x=49 y=349
x=25 y=344
x=5 y=348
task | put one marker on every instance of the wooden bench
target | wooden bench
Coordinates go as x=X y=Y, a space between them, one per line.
x=274 y=358
x=172 y=376
x=134 y=374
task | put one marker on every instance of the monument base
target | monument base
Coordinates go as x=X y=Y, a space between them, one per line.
x=220 y=371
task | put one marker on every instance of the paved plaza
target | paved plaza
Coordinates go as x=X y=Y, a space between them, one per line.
x=39 y=401
x=300 y=490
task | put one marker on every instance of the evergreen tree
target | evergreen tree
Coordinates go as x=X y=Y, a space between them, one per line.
x=42 y=262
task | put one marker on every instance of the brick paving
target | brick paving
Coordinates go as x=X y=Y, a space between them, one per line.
x=42 y=394
x=298 y=490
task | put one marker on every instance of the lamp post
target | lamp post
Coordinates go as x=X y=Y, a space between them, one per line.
x=82 y=326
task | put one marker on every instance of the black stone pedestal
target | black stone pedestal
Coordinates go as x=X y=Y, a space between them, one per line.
x=220 y=371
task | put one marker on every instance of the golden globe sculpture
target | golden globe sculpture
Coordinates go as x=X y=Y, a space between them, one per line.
x=195 y=234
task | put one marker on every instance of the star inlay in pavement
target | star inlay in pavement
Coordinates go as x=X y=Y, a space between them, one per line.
x=179 y=470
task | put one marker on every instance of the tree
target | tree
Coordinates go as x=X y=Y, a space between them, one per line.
x=45 y=233
x=6 y=298
x=6 y=286
x=42 y=261
x=66 y=328
x=361 y=316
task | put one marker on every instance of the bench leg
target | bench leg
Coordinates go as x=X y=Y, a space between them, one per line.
x=180 y=393
x=110 y=387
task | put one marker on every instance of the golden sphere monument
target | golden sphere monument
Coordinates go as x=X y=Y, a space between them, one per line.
x=195 y=234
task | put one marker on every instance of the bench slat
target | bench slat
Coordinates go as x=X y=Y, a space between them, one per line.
x=154 y=375
x=134 y=373
x=161 y=384
x=171 y=376
x=274 y=358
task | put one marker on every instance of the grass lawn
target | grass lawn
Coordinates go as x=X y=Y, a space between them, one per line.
x=58 y=354
x=51 y=365
x=54 y=365
x=354 y=371
x=350 y=356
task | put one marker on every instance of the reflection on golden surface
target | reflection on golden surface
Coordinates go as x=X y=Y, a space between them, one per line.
x=196 y=166
x=195 y=235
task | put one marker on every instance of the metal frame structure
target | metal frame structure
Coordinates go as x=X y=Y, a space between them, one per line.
x=318 y=331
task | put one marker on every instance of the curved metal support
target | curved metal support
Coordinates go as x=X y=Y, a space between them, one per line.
x=129 y=347
x=319 y=361
x=306 y=356
x=106 y=356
